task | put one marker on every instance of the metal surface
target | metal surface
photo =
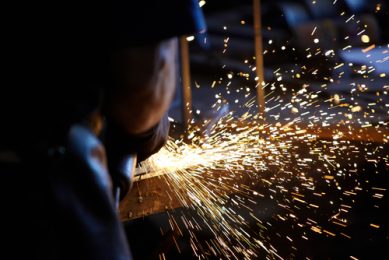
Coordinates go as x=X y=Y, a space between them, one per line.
x=374 y=135
x=147 y=197
x=151 y=192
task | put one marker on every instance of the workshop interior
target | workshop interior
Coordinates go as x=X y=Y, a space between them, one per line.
x=279 y=138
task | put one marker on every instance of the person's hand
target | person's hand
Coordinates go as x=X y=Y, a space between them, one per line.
x=120 y=146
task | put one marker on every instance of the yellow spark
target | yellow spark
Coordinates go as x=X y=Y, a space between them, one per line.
x=374 y=225
x=365 y=38
x=369 y=48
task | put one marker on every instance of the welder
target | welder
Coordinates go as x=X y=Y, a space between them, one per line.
x=86 y=85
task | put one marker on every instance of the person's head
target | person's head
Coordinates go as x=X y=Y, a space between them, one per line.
x=144 y=84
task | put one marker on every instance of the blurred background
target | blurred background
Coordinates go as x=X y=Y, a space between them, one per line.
x=326 y=73
x=317 y=43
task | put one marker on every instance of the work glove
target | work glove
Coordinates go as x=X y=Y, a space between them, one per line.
x=122 y=147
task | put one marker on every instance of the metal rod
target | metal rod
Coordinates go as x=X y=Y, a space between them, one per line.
x=186 y=89
x=259 y=57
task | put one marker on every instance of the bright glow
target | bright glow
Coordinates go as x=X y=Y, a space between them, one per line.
x=365 y=38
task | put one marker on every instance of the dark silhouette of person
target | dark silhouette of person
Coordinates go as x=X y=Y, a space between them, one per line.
x=85 y=83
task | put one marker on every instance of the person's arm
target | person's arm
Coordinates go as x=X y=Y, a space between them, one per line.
x=144 y=40
x=144 y=44
x=143 y=84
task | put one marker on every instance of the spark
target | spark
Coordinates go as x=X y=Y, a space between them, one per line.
x=190 y=38
x=369 y=48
